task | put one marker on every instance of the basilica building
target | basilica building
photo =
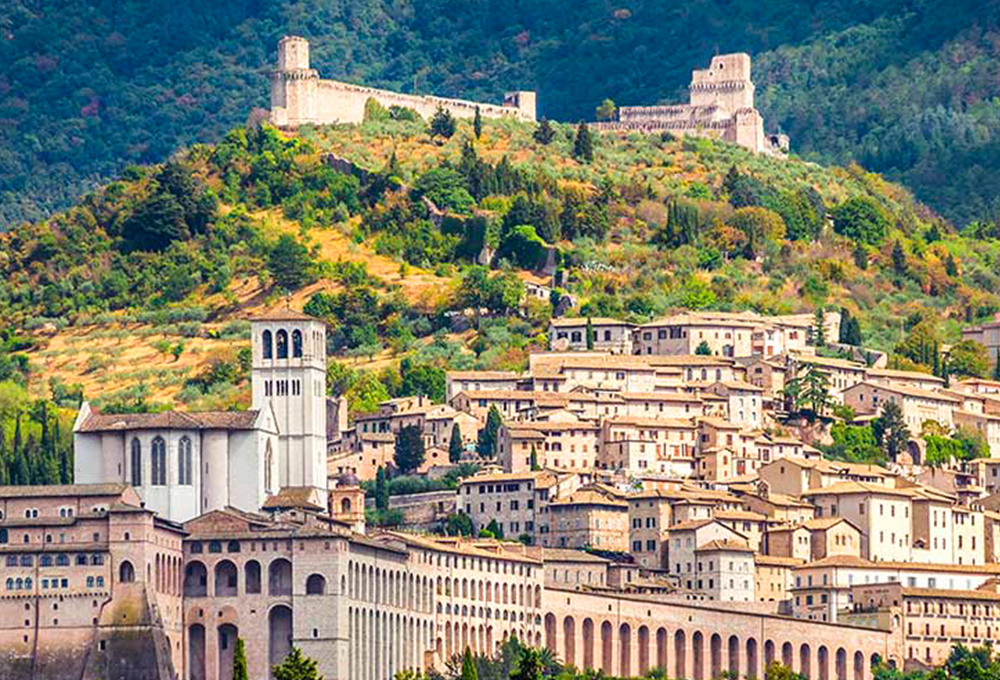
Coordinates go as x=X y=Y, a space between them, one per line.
x=184 y=464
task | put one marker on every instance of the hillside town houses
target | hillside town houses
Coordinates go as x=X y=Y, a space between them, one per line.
x=653 y=471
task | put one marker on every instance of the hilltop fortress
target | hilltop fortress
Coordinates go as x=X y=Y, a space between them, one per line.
x=721 y=107
x=299 y=96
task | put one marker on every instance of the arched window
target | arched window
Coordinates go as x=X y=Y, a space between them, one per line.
x=159 y=462
x=45 y=561
x=19 y=584
x=136 y=462
x=62 y=560
x=184 y=461
x=265 y=341
x=296 y=343
x=282 y=344
x=10 y=584
x=126 y=572
x=3 y=536
x=345 y=506
x=268 y=464
x=315 y=585
x=27 y=583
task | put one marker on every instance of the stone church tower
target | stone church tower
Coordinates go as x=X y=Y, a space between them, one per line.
x=289 y=373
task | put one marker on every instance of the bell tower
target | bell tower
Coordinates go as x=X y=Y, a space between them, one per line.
x=289 y=372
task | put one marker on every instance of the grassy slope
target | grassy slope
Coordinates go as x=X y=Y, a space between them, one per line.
x=124 y=354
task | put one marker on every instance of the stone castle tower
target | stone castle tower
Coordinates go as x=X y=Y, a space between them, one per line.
x=725 y=83
x=299 y=96
x=289 y=373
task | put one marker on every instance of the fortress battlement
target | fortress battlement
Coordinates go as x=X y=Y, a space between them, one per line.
x=299 y=96
x=721 y=106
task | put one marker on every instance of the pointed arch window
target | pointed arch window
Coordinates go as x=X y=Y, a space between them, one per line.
x=297 y=344
x=268 y=464
x=282 y=343
x=136 y=462
x=266 y=346
x=184 y=461
x=159 y=462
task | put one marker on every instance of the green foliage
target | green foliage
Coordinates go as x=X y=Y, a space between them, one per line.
x=455 y=447
x=240 y=671
x=850 y=328
x=296 y=666
x=443 y=124
x=290 y=263
x=968 y=358
x=469 y=671
x=544 y=134
x=605 y=110
x=458 y=524
x=487 y=441
x=854 y=444
x=762 y=228
x=703 y=348
x=409 y=449
x=524 y=247
x=374 y=111
x=381 y=490
x=890 y=430
x=477 y=124
x=861 y=219
x=583 y=144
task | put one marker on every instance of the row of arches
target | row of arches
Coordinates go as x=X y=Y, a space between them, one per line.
x=623 y=651
x=383 y=643
x=167 y=572
x=391 y=587
x=226 y=578
x=202 y=653
x=276 y=346
x=480 y=639
x=484 y=591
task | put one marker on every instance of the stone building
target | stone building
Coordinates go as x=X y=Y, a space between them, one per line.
x=299 y=96
x=90 y=585
x=721 y=107
x=591 y=516
x=186 y=463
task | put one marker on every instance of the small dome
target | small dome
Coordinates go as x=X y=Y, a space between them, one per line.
x=348 y=479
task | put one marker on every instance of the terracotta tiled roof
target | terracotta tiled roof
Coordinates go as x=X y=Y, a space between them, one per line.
x=170 y=420
x=726 y=545
x=58 y=490
x=776 y=561
x=582 y=321
x=282 y=314
x=294 y=497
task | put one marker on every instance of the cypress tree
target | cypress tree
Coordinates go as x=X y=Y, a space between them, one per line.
x=381 y=490
x=455 y=444
x=590 y=334
x=240 y=671
x=583 y=144
x=544 y=134
x=477 y=124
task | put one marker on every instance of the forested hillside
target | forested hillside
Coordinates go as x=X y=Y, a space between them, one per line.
x=906 y=88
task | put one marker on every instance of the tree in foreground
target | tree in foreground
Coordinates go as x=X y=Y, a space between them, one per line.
x=443 y=124
x=544 y=134
x=891 y=431
x=703 y=349
x=583 y=144
x=469 y=671
x=530 y=665
x=297 y=666
x=409 y=449
x=455 y=447
x=605 y=110
x=487 y=440
x=240 y=671
x=477 y=123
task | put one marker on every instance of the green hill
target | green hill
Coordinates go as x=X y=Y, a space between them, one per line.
x=906 y=88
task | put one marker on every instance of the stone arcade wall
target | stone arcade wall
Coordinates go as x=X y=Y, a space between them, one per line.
x=626 y=635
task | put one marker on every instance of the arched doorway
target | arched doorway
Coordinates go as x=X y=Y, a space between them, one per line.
x=588 y=644
x=680 y=653
x=715 y=655
x=734 y=656
x=251 y=577
x=751 y=658
x=279 y=621
x=196 y=651
x=643 y=650
x=841 y=662
x=550 y=633
x=859 y=666
x=661 y=650
x=569 y=641
x=625 y=650
x=805 y=665
x=786 y=655
x=607 y=662
x=823 y=663
x=698 y=655
x=126 y=572
x=227 y=648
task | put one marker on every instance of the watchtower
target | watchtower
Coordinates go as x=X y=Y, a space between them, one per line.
x=293 y=84
x=725 y=83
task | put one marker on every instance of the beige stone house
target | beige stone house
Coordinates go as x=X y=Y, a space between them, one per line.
x=588 y=517
x=610 y=335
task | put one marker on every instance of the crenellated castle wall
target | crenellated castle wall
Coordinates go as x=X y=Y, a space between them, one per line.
x=299 y=96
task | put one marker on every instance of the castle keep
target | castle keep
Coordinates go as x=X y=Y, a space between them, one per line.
x=721 y=107
x=300 y=96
